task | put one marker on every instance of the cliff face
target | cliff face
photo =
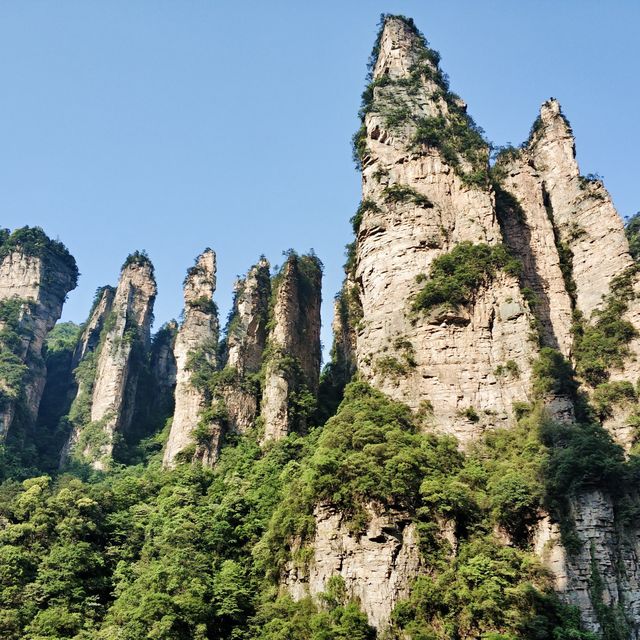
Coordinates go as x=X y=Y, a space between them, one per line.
x=378 y=566
x=36 y=274
x=195 y=350
x=292 y=362
x=466 y=365
x=421 y=199
x=106 y=395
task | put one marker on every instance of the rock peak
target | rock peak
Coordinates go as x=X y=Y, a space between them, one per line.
x=397 y=49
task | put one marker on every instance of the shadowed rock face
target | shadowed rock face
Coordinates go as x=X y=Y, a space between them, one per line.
x=119 y=353
x=195 y=346
x=293 y=353
x=34 y=280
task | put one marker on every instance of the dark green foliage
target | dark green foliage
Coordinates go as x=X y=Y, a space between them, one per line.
x=403 y=193
x=364 y=206
x=138 y=258
x=33 y=241
x=51 y=428
x=553 y=374
x=339 y=618
x=456 y=276
x=14 y=329
x=632 y=231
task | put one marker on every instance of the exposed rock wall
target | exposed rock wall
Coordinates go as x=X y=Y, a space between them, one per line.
x=37 y=279
x=602 y=574
x=119 y=355
x=246 y=340
x=378 y=566
x=195 y=346
x=449 y=359
x=293 y=353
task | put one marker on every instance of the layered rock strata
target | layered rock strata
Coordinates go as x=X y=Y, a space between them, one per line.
x=292 y=362
x=36 y=274
x=116 y=361
x=246 y=338
x=195 y=351
x=378 y=566
x=420 y=200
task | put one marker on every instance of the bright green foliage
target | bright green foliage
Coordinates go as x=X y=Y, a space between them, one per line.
x=610 y=394
x=456 y=276
x=603 y=343
x=339 y=618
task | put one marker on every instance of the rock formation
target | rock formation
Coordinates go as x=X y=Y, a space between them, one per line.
x=36 y=274
x=106 y=396
x=421 y=198
x=246 y=337
x=378 y=566
x=292 y=362
x=195 y=352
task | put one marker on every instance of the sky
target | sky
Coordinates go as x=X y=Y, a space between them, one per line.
x=171 y=126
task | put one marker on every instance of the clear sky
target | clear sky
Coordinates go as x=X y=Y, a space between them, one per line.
x=172 y=126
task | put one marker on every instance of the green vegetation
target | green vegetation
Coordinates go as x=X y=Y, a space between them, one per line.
x=14 y=329
x=453 y=132
x=510 y=368
x=33 y=241
x=404 y=193
x=603 y=343
x=632 y=231
x=456 y=276
x=138 y=258
x=366 y=205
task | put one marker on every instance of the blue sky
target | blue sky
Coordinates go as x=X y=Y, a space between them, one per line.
x=172 y=126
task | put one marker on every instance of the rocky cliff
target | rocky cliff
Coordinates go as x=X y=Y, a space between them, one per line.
x=195 y=352
x=36 y=274
x=111 y=363
x=292 y=361
x=467 y=348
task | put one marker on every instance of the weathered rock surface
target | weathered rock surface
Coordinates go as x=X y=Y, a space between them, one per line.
x=195 y=345
x=123 y=344
x=603 y=571
x=245 y=344
x=293 y=359
x=378 y=566
x=247 y=331
x=530 y=234
x=447 y=360
x=38 y=282
x=90 y=337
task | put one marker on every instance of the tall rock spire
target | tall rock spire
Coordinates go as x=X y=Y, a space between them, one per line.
x=582 y=210
x=196 y=355
x=425 y=192
x=108 y=380
x=292 y=363
x=36 y=273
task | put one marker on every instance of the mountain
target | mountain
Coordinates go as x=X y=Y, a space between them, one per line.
x=465 y=466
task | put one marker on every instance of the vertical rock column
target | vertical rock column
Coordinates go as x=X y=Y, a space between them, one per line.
x=246 y=340
x=292 y=362
x=36 y=274
x=195 y=352
x=425 y=192
x=118 y=357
